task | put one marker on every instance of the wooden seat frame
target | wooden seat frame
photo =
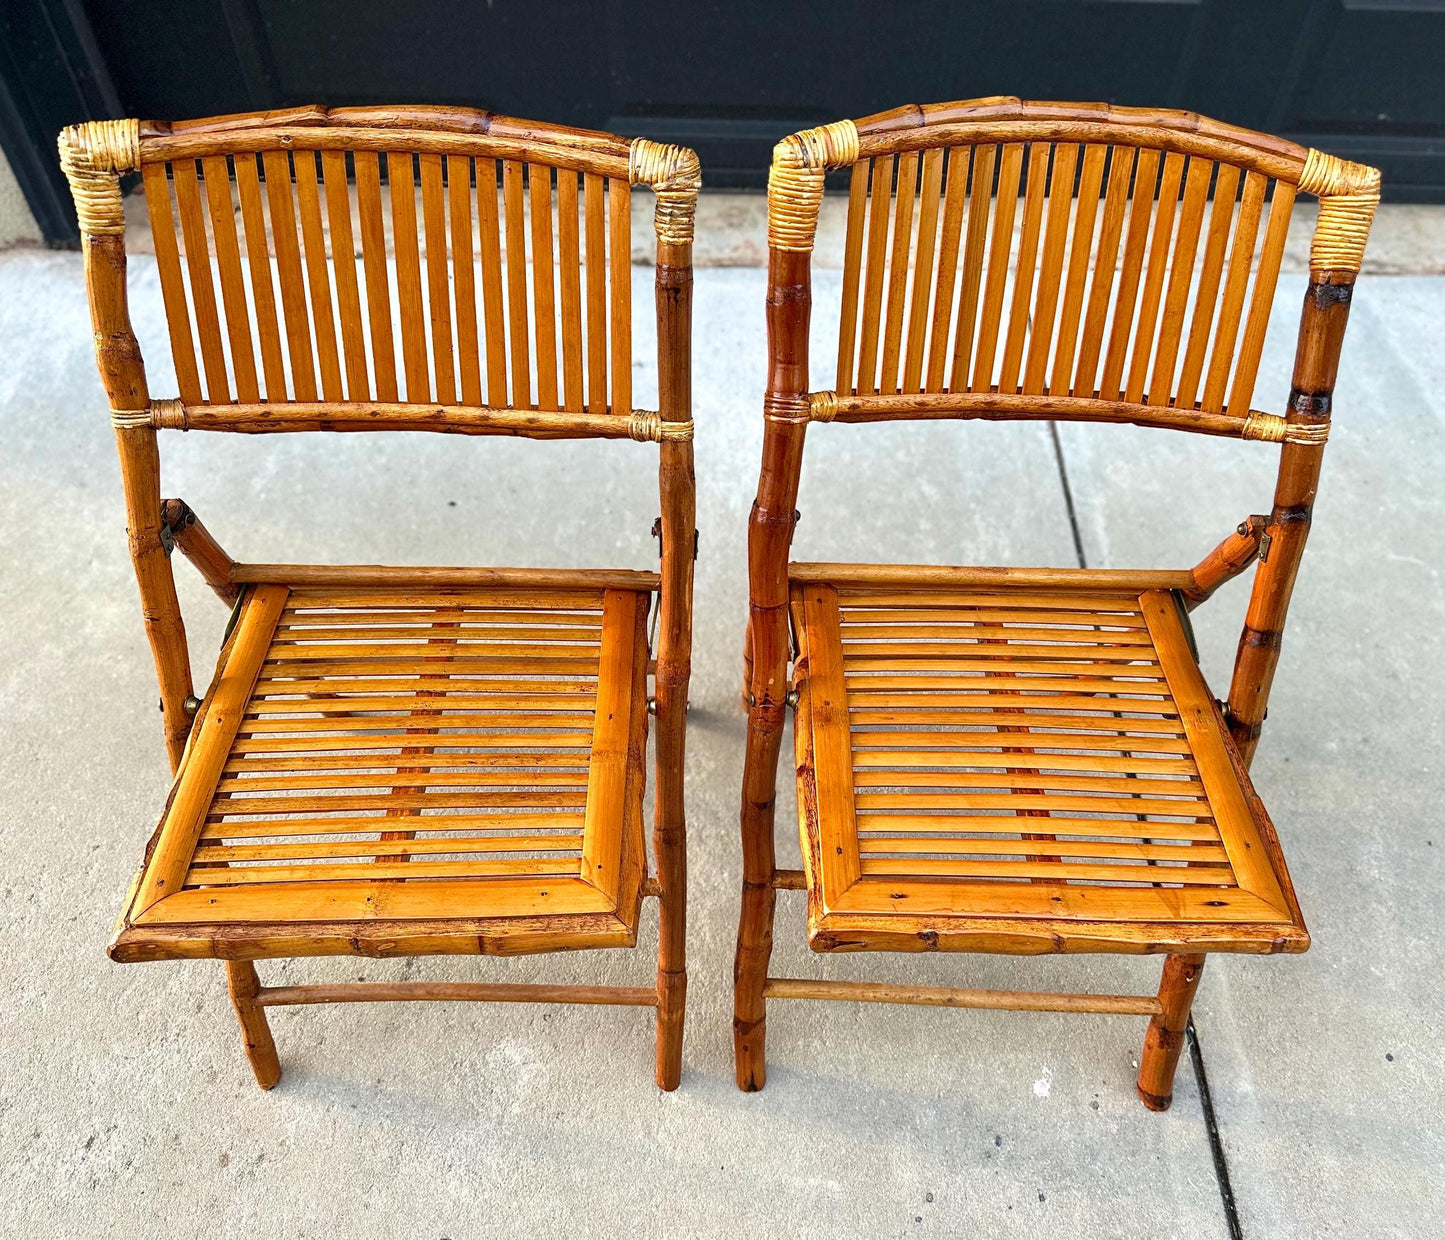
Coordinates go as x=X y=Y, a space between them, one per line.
x=96 y=155
x=1348 y=194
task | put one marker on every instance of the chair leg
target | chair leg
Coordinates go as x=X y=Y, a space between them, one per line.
x=755 y=921
x=1165 y=1038
x=669 y=843
x=244 y=985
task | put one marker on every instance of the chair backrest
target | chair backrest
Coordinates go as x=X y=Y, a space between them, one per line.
x=1007 y=259
x=309 y=286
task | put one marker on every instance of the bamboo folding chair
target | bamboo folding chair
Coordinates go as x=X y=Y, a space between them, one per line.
x=1014 y=760
x=395 y=761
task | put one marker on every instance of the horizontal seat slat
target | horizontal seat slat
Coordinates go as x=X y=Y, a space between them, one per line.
x=283 y=782
x=422 y=823
x=871 y=778
x=874 y=867
x=877 y=760
x=991 y=731
x=878 y=846
x=372 y=848
x=368 y=871
x=952 y=824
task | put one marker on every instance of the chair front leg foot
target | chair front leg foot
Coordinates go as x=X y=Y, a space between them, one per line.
x=671 y=1005
x=1165 y=1039
x=750 y=975
x=244 y=986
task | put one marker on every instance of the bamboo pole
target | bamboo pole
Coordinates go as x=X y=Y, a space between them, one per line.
x=197 y=545
x=326 y=575
x=674 y=176
x=1008 y=406
x=93 y=155
x=245 y=987
x=1236 y=553
x=640 y=425
x=450 y=992
x=1165 y=1037
x=1322 y=328
x=954 y=997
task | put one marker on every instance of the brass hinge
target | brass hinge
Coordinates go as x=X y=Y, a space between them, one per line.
x=1264 y=541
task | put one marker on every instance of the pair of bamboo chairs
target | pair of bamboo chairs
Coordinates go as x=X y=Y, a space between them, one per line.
x=395 y=762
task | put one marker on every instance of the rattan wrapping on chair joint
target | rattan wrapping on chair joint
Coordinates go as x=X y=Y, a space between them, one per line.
x=92 y=156
x=787 y=408
x=674 y=175
x=646 y=427
x=823 y=406
x=1348 y=194
x=1271 y=428
x=164 y=415
x=795 y=183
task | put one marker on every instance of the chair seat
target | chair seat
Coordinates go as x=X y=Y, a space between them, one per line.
x=1022 y=769
x=408 y=769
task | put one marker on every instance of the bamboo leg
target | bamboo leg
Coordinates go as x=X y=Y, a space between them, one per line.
x=244 y=985
x=1165 y=1038
x=678 y=493
x=755 y=921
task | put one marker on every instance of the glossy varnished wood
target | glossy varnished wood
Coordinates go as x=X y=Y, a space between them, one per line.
x=1028 y=760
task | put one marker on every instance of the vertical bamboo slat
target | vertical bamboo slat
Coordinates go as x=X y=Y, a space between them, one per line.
x=1026 y=269
x=1106 y=260
x=373 y=256
x=438 y=278
x=344 y=255
x=173 y=289
x=923 y=278
x=493 y=320
x=1081 y=248
x=217 y=175
x=203 y=293
x=1141 y=212
x=258 y=260
x=277 y=166
x=979 y=209
x=1241 y=391
x=955 y=196
x=1181 y=276
x=406 y=243
x=1000 y=243
x=518 y=334
x=880 y=198
x=1206 y=302
x=1241 y=258
x=852 y=274
x=1051 y=265
x=898 y=268
x=464 y=270
x=595 y=222
x=569 y=263
x=1160 y=245
x=619 y=242
x=539 y=188
x=318 y=275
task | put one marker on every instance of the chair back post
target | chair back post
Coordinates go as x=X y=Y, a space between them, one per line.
x=93 y=156
x=795 y=193
x=674 y=175
x=1348 y=194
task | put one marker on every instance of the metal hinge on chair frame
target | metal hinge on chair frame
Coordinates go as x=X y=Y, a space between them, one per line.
x=657 y=534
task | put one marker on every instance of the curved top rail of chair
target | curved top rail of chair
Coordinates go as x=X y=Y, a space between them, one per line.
x=1348 y=192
